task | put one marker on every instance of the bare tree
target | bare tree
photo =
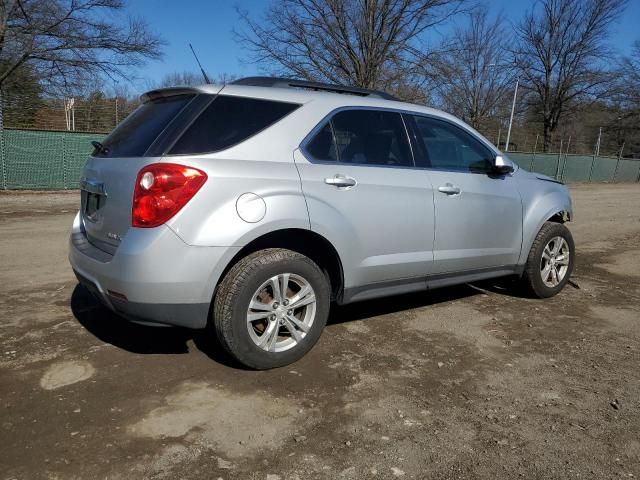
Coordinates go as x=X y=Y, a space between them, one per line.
x=366 y=43
x=191 y=78
x=624 y=124
x=475 y=80
x=181 y=78
x=66 y=41
x=631 y=75
x=563 y=56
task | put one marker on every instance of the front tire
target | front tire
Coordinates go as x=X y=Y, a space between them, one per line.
x=550 y=262
x=271 y=307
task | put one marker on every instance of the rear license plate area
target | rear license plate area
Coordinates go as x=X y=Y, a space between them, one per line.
x=92 y=205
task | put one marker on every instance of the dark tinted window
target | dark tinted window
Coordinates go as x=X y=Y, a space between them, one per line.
x=323 y=146
x=447 y=147
x=138 y=131
x=371 y=137
x=229 y=121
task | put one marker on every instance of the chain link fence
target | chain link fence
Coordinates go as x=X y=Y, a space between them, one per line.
x=579 y=168
x=46 y=160
x=40 y=160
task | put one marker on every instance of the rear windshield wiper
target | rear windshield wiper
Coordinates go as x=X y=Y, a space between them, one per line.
x=99 y=148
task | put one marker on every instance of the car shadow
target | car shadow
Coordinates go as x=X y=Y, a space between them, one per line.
x=141 y=339
x=397 y=303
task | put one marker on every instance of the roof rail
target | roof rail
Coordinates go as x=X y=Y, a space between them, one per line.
x=295 y=83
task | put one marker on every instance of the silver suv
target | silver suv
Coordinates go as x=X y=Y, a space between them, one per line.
x=251 y=207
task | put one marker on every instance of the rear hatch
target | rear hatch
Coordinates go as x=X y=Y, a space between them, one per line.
x=109 y=176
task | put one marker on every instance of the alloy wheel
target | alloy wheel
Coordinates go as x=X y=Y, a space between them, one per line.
x=281 y=312
x=554 y=263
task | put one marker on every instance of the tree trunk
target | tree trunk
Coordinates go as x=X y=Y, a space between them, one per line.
x=546 y=135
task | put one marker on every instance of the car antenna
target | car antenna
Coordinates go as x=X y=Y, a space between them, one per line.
x=206 y=79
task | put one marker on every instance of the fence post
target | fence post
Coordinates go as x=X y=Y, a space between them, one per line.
x=564 y=166
x=593 y=162
x=615 y=172
x=558 y=162
x=533 y=157
x=64 y=161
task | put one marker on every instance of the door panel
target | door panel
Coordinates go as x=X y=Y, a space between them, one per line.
x=479 y=227
x=478 y=216
x=382 y=227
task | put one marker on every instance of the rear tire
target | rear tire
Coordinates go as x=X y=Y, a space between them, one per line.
x=550 y=262
x=271 y=307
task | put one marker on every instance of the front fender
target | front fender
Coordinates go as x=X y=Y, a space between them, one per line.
x=541 y=202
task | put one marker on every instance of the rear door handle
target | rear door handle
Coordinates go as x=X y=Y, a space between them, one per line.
x=449 y=189
x=341 y=181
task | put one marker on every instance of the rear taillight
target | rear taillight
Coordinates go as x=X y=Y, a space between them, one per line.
x=161 y=190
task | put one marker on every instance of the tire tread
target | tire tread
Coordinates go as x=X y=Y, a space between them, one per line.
x=230 y=287
x=531 y=280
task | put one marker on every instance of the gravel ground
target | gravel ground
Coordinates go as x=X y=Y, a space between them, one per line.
x=464 y=382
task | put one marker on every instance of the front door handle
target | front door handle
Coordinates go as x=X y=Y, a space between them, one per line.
x=340 y=181
x=449 y=189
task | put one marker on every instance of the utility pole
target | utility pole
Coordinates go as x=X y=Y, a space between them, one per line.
x=598 y=143
x=513 y=107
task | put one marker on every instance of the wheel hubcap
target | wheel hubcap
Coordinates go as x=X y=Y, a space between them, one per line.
x=555 y=262
x=281 y=312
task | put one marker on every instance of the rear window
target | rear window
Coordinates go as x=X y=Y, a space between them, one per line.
x=138 y=131
x=229 y=121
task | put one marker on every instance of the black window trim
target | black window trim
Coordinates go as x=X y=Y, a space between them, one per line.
x=213 y=98
x=327 y=119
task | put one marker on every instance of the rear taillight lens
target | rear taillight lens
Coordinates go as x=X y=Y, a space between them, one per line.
x=161 y=190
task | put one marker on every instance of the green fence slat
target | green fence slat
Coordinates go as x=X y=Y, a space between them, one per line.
x=603 y=169
x=39 y=160
x=577 y=168
x=628 y=170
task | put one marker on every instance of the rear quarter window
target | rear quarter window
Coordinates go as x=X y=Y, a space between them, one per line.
x=228 y=121
x=138 y=131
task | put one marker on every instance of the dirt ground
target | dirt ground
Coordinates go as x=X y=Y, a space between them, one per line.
x=465 y=382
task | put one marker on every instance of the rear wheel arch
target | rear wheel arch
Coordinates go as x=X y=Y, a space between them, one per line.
x=306 y=242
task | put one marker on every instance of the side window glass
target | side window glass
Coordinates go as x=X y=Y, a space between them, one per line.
x=447 y=147
x=228 y=121
x=322 y=146
x=371 y=137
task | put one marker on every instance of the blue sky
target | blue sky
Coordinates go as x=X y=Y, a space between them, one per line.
x=208 y=25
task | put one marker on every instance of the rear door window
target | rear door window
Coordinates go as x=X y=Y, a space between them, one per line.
x=323 y=145
x=138 y=131
x=228 y=121
x=363 y=137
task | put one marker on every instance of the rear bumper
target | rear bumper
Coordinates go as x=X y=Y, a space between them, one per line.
x=154 y=277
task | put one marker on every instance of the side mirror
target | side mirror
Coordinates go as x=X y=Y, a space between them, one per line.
x=501 y=166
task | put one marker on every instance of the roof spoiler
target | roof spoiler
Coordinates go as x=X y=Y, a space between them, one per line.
x=172 y=91
x=280 y=82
